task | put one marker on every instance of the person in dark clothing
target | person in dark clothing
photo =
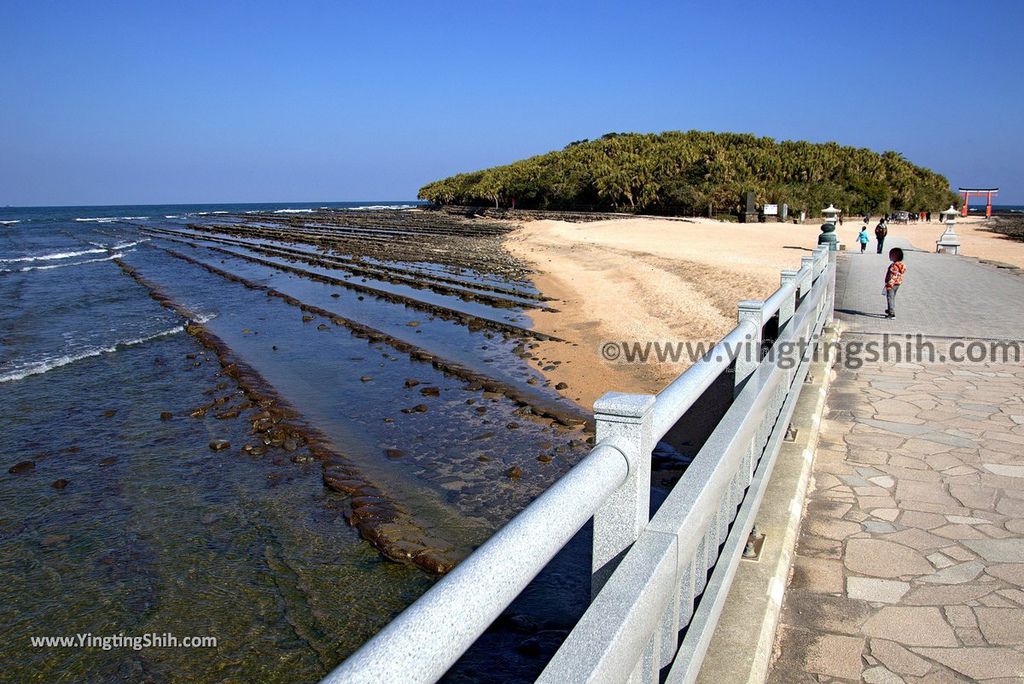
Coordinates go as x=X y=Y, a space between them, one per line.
x=881 y=230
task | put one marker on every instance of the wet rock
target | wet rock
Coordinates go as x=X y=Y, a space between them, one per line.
x=290 y=444
x=60 y=484
x=108 y=461
x=254 y=449
x=54 y=539
x=22 y=467
x=531 y=381
x=514 y=473
x=394 y=453
x=418 y=408
x=307 y=319
x=166 y=415
x=561 y=386
x=110 y=413
x=273 y=347
x=360 y=297
x=366 y=378
x=230 y=413
x=481 y=410
x=303 y=457
x=483 y=458
x=548 y=367
x=200 y=412
x=322 y=326
x=411 y=383
x=335 y=295
x=512 y=426
x=545 y=458
x=190 y=357
x=218 y=444
x=430 y=391
x=389 y=420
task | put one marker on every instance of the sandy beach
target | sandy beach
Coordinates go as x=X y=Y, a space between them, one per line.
x=673 y=280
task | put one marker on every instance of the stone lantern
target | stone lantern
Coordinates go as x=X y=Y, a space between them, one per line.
x=949 y=242
x=828 y=228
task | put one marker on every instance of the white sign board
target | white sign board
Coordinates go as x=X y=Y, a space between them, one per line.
x=771 y=210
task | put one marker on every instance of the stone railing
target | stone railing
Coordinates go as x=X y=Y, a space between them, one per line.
x=659 y=583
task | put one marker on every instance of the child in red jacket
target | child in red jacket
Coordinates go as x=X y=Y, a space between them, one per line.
x=893 y=280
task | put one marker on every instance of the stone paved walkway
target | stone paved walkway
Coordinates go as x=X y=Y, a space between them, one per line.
x=910 y=561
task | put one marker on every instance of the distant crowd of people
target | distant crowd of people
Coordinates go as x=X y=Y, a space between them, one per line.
x=903 y=217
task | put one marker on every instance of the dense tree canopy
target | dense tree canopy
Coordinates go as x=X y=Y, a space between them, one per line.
x=699 y=172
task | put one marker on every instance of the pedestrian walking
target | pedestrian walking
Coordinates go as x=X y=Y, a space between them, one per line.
x=862 y=237
x=881 y=231
x=893 y=280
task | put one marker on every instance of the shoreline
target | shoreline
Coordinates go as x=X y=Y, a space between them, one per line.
x=639 y=280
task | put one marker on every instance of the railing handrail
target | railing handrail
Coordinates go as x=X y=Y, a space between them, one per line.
x=679 y=395
x=612 y=634
x=422 y=642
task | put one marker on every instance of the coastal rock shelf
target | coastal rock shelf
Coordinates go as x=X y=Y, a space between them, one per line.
x=403 y=236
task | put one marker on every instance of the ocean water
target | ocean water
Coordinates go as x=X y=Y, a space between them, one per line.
x=118 y=518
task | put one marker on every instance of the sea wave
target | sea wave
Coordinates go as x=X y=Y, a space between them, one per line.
x=38 y=367
x=294 y=211
x=378 y=207
x=126 y=245
x=117 y=255
x=53 y=256
x=110 y=219
x=8 y=223
x=172 y=216
x=204 y=318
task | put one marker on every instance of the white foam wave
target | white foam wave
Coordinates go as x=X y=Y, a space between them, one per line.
x=54 y=256
x=38 y=367
x=110 y=219
x=377 y=207
x=204 y=318
x=294 y=211
x=126 y=245
x=8 y=223
x=118 y=255
x=172 y=216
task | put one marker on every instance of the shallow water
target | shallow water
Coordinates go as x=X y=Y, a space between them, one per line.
x=154 y=532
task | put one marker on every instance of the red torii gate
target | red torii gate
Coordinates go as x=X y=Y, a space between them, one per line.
x=978 y=192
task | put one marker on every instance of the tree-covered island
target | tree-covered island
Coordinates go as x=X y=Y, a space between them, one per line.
x=699 y=173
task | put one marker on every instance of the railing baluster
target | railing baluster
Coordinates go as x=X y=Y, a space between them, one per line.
x=789 y=305
x=750 y=357
x=687 y=591
x=622 y=420
x=668 y=632
x=646 y=671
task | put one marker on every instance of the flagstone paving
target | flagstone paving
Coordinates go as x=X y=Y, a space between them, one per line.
x=910 y=561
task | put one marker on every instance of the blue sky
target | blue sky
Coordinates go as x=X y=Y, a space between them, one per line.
x=163 y=102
